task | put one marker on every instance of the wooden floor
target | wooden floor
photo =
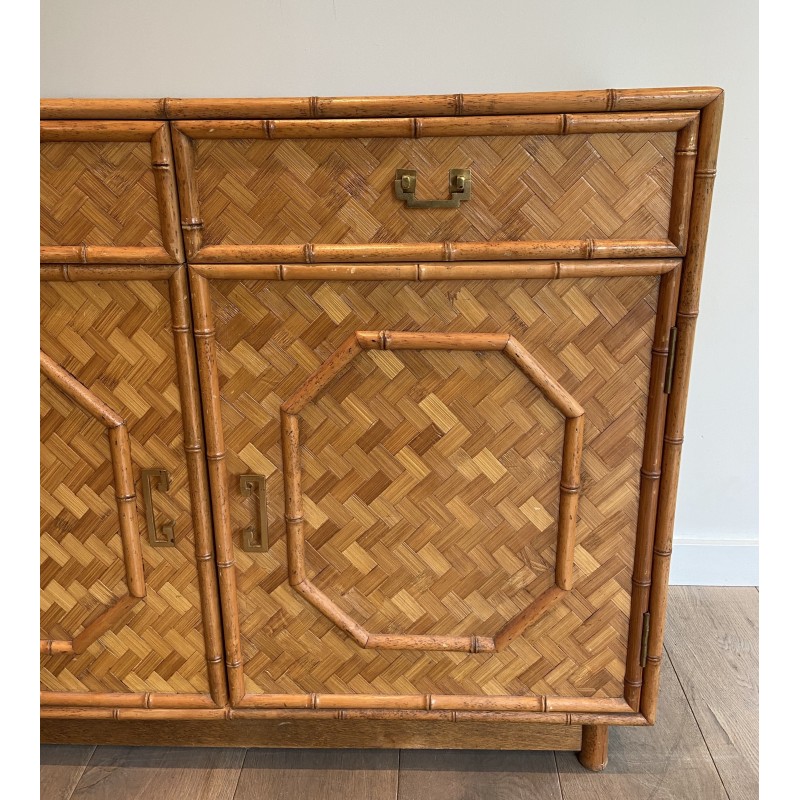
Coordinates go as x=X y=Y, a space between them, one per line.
x=703 y=747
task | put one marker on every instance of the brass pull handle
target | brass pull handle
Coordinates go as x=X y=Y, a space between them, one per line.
x=459 y=184
x=254 y=542
x=167 y=538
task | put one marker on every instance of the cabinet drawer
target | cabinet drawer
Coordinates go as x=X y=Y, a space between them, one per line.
x=420 y=488
x=108 y=193
x=581 y=185
x=122 y=615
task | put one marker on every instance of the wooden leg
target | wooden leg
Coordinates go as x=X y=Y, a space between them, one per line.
x=594 y=747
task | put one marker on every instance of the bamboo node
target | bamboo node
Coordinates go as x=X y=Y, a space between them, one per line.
x=565 y=123
x=214 y=659
x=308 y=253
x=611 y=99
x=415 y=128
x=163 y=108
x=191 y=224
x=705 y=173
x=418 y=272
x=673 y=440
x=590 y=248
x=281 y=272
x=642 y=584
x=459 y=104
x=651 y=475
x=448 y=251
x=569 y=489
x=662 y=553
x=65 y=272
x=225 y=564
x=148 y=699
x=428 y=701
x=558 y=270
x=161 y=165
x=115 y=714
x=313 y=107
x=84 y=253
x=314 y=700
x=193 y=448
x=228 y=712
x=204 y=557
x=233 y=664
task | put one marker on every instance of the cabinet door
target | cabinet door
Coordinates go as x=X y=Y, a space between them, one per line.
x=129 y=599
x=429 y=488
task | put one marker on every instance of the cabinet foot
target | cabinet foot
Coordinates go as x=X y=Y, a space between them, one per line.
x=594 y=747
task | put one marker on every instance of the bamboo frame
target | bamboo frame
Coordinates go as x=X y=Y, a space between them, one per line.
x=650 y=477
x=203 y=320
x=333 y=366
x=193 y=443
x=157 y=134
x=595 y=100
x=693 y=185
x=684 y=122
x=686 y=321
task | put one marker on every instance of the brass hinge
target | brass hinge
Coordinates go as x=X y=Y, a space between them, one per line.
x=645 y=638
x=673 y=341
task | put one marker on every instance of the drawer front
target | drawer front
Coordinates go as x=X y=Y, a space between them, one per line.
x=434 y=481
x=122 y=614
x=253 y=198
x=108 y=193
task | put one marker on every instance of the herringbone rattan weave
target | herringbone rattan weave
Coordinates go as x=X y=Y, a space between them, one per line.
x=431 y=480
x=116 y=338
x=98 y=193
x=524 y=188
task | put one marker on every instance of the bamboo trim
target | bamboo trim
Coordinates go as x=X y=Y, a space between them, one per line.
x=194 y=447
x=121 y=465
x=166 y=192
x=104 y=622
x=682 y=183
x=83 y=272
x=599 y=100
x=324 y=374
x=416 y=127
x=125 y=700
x=203 y=319
x=328 y=608
x=190 y=220
x=406 y=641
x=568 y=500
x=78 y=393
x=421 y=271
x=435 y=251
x=100 y=254
x=649 y=483
x=688 y=309
x=545 y=382
x=55 y=647
x=99 y=131
x=518 y=625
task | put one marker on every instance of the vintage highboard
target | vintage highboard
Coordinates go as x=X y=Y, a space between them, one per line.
x=362 y=417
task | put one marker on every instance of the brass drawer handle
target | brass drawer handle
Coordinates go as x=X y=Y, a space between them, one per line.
x=252 y=542
x=459 y=184
x=167 y=537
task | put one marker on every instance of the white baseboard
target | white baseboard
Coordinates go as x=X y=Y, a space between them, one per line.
x=714 y=562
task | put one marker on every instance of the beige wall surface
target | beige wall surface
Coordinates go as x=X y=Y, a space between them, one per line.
x=270 y=48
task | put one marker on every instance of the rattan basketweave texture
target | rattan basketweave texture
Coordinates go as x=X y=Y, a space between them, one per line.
x=422 y=462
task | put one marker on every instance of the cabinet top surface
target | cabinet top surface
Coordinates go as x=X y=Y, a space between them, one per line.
x=592 y=100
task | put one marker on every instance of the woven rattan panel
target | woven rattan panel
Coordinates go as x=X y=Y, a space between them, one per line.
x=98 y=193
x=116 y=338
x=431 y=480
x=524 y=188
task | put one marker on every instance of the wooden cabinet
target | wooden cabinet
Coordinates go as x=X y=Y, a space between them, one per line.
x=442 y=356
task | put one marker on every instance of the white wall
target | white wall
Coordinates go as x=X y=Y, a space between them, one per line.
x=268 y=48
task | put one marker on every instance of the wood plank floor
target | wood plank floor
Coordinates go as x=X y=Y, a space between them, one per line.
x=703 y=747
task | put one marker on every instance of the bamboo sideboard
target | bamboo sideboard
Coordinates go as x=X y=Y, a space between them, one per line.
x=362 y=417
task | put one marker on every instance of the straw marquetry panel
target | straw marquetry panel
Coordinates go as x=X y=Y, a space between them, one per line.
x=102 y=193
x=431 y=480
x=525 y=188
x=116 y=339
